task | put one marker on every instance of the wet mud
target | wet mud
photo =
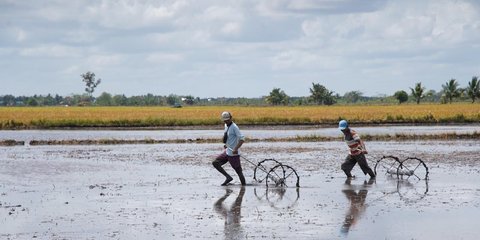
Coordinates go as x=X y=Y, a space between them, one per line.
x=171 y=191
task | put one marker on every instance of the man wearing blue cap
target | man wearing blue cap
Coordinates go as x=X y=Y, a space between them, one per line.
x=357 y=151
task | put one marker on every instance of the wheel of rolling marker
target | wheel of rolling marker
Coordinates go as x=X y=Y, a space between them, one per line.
x=262 y=168
x=413 y=168
x=282 y=176
x=387 y=165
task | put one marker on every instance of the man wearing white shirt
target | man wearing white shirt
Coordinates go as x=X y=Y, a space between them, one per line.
x=233 y=140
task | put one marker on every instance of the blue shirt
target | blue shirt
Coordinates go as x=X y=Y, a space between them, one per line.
x=234 y=137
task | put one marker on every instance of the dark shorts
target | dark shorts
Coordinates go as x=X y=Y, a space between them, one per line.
x=233 y=160
x=351 y=160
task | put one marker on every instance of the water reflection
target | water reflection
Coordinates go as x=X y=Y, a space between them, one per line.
x=278 y=198
x=232 y=215
x=181 y=133
x=357 y=203
x=412 y=191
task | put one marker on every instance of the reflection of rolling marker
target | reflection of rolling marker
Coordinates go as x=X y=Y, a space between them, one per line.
x=283 y=197
x=411 y=192
x=408 y=191
x=279 y=198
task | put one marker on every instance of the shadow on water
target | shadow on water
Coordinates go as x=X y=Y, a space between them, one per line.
x=356 y=194
x=232 y=215
x=276 y=198
x=406 y=190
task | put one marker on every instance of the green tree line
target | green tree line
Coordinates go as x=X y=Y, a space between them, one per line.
x=319 y=95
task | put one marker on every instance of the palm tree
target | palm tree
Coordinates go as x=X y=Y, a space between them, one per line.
x=417 y=92
x=473 y=89
x=321 y=95
x=451 y=90
x=277 y=96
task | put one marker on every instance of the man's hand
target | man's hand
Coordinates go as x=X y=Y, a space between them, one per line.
x=235 y=152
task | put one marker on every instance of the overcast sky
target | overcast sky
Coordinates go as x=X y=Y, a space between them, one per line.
x=236 y=48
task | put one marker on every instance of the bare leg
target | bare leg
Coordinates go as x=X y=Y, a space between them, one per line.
x=217 y=164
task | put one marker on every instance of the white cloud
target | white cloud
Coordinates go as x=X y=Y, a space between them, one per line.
x=231 y=28
x=20 y=35
x=56 y=51
x=13 y=35
x=294 y=59
x=82 y=35
x=71 y=70
x=127 y=14
x=103 y=61
x=158 y=58
x=293 y=42
x=217 y=13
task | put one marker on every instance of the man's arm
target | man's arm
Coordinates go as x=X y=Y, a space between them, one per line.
x=235 y=149
x=363 y=147
x=240 y=141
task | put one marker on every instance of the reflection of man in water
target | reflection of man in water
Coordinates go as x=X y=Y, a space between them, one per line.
x=357 y=203
x=233 y=229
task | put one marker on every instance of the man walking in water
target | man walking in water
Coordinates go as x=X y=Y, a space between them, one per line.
x=357 y=151
x=233 y=140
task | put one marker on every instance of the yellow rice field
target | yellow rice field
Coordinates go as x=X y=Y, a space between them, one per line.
x=41 y=117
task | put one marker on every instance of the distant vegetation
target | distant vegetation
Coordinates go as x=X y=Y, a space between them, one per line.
x=452 y=104
x=153 y=117
x=319 y=95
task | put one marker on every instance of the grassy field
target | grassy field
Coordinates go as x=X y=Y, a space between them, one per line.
x=77 y=117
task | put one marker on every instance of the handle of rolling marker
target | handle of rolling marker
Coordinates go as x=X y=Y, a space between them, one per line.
x=244 y=158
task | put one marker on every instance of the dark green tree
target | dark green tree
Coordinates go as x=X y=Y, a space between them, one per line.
x=277 y=97
x=105 y=99
x=321 y=95
x=473 y=89
x=68 y=101
x=49 y=100
x=119 y=100
x=401 y=96
x=32 y=102
x=151 y=100
x=451 y=90
x=353 y=96
x=189 y=100
x=58 y=99
x=173 y=99
x=418 y=92
x=8 y=100
x=90 y=82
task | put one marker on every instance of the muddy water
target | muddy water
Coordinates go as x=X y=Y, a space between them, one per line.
x=170 y=191
x=273 y=132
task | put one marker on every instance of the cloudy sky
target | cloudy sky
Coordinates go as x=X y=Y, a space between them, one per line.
x=236 y=48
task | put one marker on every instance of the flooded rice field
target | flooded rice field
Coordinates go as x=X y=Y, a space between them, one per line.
x=251 y=132
x=171 y=191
